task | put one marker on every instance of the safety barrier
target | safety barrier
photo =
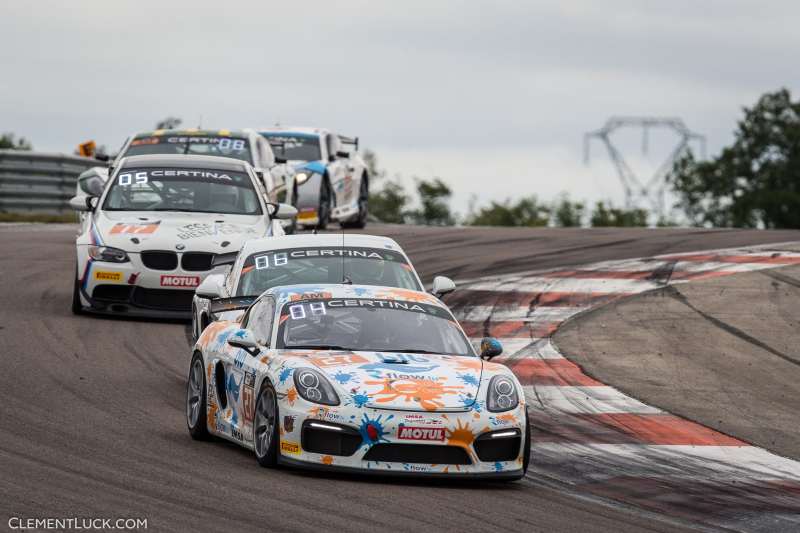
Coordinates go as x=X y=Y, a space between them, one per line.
x=42 y=183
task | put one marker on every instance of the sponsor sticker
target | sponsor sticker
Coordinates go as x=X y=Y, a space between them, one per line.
x=335 y=360
x=307 y=214
x=290 y=447
x=180 y=281
x=420 y=433
x=288 y=423
x=104 y=275
x=137 y=228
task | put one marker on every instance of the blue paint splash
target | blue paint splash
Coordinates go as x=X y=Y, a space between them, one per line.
x=378 y=424
x=343 y=377
x=360 y=399
x=469 y=379
x=284 y=375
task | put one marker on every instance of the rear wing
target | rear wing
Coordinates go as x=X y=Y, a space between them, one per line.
x=349 y=140
x=237 y=303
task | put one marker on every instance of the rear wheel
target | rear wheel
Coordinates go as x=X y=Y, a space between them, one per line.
x=77 y=306
x=265 y=426
x=196 y=399
x=363 y=198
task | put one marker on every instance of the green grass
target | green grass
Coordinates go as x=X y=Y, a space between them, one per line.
x=38 y=217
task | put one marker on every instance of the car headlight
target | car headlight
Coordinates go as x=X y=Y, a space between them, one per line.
x=107 y=253
x=314 y=387
x=502 y=395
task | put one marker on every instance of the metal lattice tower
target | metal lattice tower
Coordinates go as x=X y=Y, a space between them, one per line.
x=636 y=189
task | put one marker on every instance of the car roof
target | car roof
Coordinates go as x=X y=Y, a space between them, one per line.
x=322 y=239
x=300 y=130
x=191 y=161
x=322 y=291
x=193 y=131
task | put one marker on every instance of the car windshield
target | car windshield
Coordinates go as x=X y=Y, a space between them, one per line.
x=373 y=325
x=218 y=145
x=294 y=266
x=183 y=189
x=295 y=147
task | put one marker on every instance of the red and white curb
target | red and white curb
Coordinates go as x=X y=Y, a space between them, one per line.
x=603 y=442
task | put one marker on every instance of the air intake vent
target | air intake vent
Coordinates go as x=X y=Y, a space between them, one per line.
x=418 y=453
x=160 y=260
x=196 y=261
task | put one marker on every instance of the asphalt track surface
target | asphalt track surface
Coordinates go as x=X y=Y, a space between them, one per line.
x=93 y=408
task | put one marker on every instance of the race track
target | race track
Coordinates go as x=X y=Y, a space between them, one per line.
x=93 y=408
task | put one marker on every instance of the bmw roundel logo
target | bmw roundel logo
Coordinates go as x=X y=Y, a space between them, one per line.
x=180 y=246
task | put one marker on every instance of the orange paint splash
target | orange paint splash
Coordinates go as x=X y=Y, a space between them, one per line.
x=327 y=460
x=425 y=392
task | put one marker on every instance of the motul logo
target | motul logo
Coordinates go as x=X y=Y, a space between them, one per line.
x=414 y=433
x=180 y=281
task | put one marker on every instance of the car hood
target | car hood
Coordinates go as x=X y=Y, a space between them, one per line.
x=145 y=230
x=416 y=382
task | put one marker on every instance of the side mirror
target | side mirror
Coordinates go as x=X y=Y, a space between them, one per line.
x=245 y=340
x=442 y=285
x=342 y=154
x=210 y=287
x=490 y=347
x=83 y=203
x=300 y=178
x=282 y=211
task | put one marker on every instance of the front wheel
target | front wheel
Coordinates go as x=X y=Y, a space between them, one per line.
x=265 y=426
x=196 y=400
x=77 y=306
x=526 y=444
x=325 y=204
x=360 y=221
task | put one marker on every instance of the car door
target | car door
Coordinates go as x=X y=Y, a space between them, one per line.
x=242 y=368
x=337 y=169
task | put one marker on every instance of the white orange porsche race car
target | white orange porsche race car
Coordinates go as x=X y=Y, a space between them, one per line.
x=359 y=379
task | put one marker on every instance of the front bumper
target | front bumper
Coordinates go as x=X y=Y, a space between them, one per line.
x=434 y=444
x=132 y=289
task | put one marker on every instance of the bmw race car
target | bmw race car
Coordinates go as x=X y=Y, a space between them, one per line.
x=294 y=259
x=151 y=237
x=276 y=177
x=332 y=180
x=361 y=379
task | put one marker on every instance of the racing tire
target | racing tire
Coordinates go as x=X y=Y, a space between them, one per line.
x=325 y=204
x=360 y=222
x=196 y=394
x=265 y=426
x=526 y=444
x=77 y=306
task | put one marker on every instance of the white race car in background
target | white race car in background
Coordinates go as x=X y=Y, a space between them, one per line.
x=276 y=177
x=335 y=177
x=360 y=379
x=150 y=238
x=301 y=259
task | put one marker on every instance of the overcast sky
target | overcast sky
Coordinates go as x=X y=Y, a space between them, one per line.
x=494 y=97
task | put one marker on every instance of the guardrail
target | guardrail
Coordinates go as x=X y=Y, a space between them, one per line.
x=42 y=183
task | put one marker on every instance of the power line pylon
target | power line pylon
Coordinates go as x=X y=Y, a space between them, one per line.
x=636 y=190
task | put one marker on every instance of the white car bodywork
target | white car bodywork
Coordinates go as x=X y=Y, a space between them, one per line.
x=225 y=286
x=388 y=412
x=168 y=253
x=337 y=165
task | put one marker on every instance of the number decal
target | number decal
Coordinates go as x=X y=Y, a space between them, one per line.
x=262 y=262
x=140 y=178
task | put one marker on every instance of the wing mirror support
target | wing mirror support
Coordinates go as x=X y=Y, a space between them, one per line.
x=245 y=340
x=83 y=203
x=442 y=285
x=282 y=211
x=490 y=347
